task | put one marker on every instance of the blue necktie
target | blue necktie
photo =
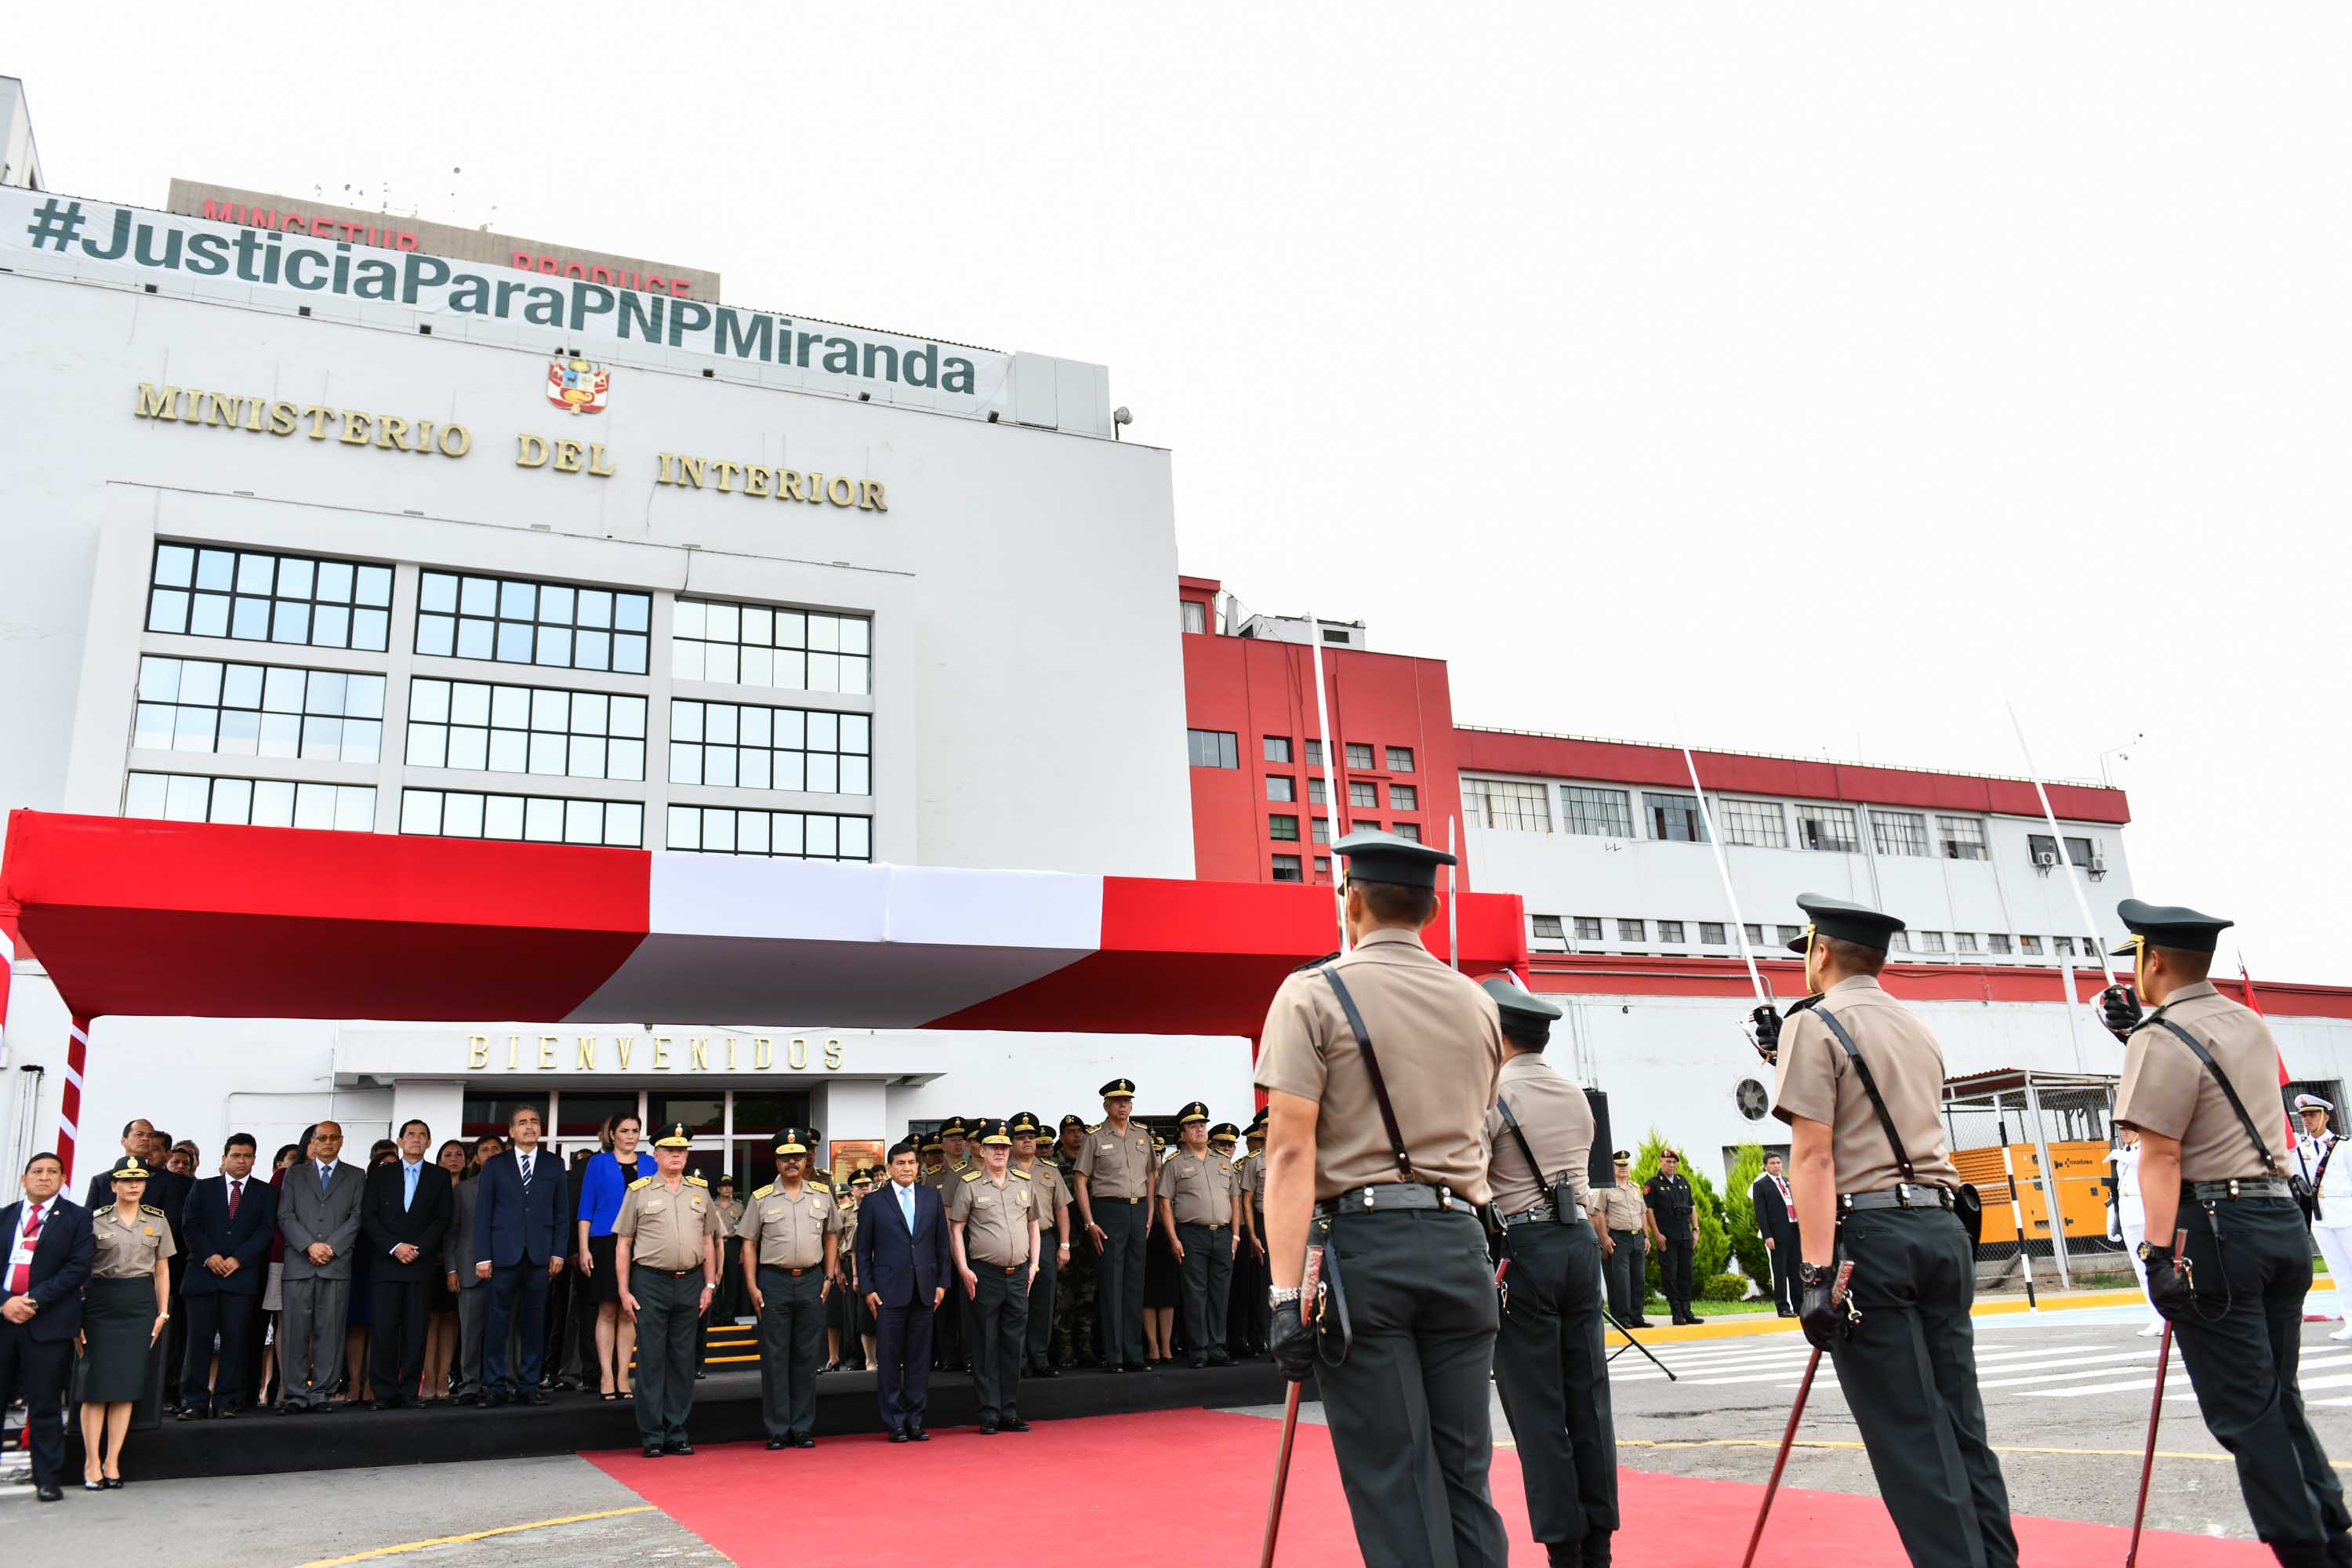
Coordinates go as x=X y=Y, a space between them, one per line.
x=907 y=1208
x=324 y=1172
x=408 y=1187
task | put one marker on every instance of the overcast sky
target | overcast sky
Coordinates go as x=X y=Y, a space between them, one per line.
x=1820 y=379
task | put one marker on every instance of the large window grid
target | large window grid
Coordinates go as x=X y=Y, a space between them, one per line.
x=781 y=835
x=517 y=620
x=1898 y=832
x=759 y=645
x=479 y=727
x=1359 y=757
x=1596 y=813
x=1674 y=818
x=1400 y=759
x=1830 y=828
x=258 y=802
x=258 y=596
x=1548 y=927
x=257 y=711
x=1213 y=748
x=1505 y=802
x=1960 y=838
x=732 y=745
x=1588 y=928
x=1363 y=791
x=1759 y=823
x=1403 y=797
x=531 y=819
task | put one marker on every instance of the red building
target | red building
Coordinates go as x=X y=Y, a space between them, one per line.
x=1259 y=812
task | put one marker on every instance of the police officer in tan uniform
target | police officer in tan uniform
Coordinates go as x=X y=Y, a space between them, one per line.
x=1200 y=1210
x=1053 y=1206
x=1116 y=1171
x=1550 y=1367
x=791 y=1232
x=1889 y=1207
x=2235 y=1298
x=1624 y=1230
x=1224 y=1138
x=667 y=1263
x=992 y=1233
x=1408 y=1407
x=1249 y=1296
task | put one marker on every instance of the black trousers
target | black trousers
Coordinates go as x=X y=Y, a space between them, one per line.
x=1000 y=1332
x=1909 y=1375
x=396 y=1337
x=1118 y=1279
x=231 y=1317
x=1208 y=1287
x=1628 y=1277
x=791 y=1346
x=669 y=1310
x=37 y=1369
x=518 y=1304
x=1553 y=1375
x=902 y=1348
x=1786 y=1251
x=1675 y=1275
x=1408 y=1409
x=1250 y=1282
x=1037 y=1344
x=948 y=1351
x=2251 y=1259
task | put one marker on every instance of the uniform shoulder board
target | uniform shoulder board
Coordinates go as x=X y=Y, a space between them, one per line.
x=697 y=1181
x=1022 y=1174
x=1315 y=964
x=818 y=1184
x=972 y=1175
x=763 y=1192
x=151 y=1208
x=641 y=1182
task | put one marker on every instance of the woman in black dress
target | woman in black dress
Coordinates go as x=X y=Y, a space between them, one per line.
x=125 y=1308
x=440 y=1300
x=1164 y=1280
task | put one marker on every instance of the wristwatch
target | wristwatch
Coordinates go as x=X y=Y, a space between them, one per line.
x=1281 y=1295
x=1815 y=1273
x=2151 y=1253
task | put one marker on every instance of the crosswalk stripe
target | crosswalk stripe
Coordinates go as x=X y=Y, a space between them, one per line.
x=1781 y=1362
x=2325 y=1361
x=1782 y=1370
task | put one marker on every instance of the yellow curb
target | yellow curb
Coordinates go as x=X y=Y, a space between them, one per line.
x=476 y=1535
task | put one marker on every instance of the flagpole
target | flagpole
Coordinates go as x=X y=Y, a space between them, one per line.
x=1331 y=782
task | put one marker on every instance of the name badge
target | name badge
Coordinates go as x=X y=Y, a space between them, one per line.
x=653 y=1206
x=982 y=1203
x=773 y=1211
x=1109 y=1148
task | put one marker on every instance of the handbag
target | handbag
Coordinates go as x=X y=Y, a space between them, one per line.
x=1967 y=1201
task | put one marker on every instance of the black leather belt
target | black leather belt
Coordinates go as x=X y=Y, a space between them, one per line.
x=670 y=1273
x=1901 y=1195
x=794 y=1273
x=2240 y=1187
x=1614 y=1232
x=1382 y=1196
x=1007 y=1269
x=1542 y=1214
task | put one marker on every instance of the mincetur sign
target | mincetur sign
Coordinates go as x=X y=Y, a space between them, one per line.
x=100 y=236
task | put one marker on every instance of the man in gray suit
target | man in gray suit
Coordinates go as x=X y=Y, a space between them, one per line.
x=320 y=1215
x=457 y=1258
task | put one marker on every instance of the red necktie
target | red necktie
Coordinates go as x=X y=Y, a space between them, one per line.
x=20 y=1278
x=235 y=1190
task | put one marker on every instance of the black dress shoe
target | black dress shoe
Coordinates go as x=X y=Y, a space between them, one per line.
x=384 y=1404
x=988 y=1429
x=112 y=1483
x=185 y=1413
x=540 y=1396
x=1219 y=1358
x=914 y=1433
x=653 y=1450
x=898 y=1435
x=680 y=1447
x=50 y=1493
x=1016 y=1426
x=228 y=1412
x=776 y=1443
x=803 y=1440
x=1200 y=1363
x=1049 y=1370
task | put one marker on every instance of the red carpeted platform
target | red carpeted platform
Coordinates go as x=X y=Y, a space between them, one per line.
x=1212 y=1470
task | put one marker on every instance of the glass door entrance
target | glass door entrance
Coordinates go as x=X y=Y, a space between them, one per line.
x=733 y=1131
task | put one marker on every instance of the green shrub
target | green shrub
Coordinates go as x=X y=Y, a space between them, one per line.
x=1739 y=1215
x=1724 y=1287
x=1712 y=1243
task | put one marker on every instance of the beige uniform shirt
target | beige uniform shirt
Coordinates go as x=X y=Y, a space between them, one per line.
x=120 y=1251
x=1441 y=1048
x=1052 y=1192
x=943 y=1180
x=665 y=1229
x=1200 y=1191
x=730 y=1216
x=1254 y=1176
x=1818 y=1082
x=790 y=1231
x=1118 y=1169
x=2166 y=1091
x=994 y=1215
x=1620 y=1207
x=1558 y=1122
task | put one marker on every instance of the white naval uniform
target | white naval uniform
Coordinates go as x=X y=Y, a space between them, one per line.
x=2131 y=1217
x=2332 y=1226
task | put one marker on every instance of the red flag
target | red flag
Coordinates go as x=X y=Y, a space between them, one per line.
x=2246 y=984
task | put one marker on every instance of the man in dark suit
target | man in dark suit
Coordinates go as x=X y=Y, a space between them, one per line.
x=902 y=1261
x=520 y=1226
x=319 y=1215
x=404 y=1214
x=1775 y=1222
x=226 y=1226
x=45 y=1265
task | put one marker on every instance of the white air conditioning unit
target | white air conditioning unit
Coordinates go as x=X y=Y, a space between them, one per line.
x=2043 y=860
x=2098 y=866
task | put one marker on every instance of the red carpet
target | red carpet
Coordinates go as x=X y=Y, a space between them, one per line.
x=771 y=1510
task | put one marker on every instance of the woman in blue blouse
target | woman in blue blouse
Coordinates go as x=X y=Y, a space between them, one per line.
x=601 y=1185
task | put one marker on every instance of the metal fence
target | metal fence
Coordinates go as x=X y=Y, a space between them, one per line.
x=2035 y=1145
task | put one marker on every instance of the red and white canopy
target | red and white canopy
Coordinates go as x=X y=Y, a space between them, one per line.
x=199 y=920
